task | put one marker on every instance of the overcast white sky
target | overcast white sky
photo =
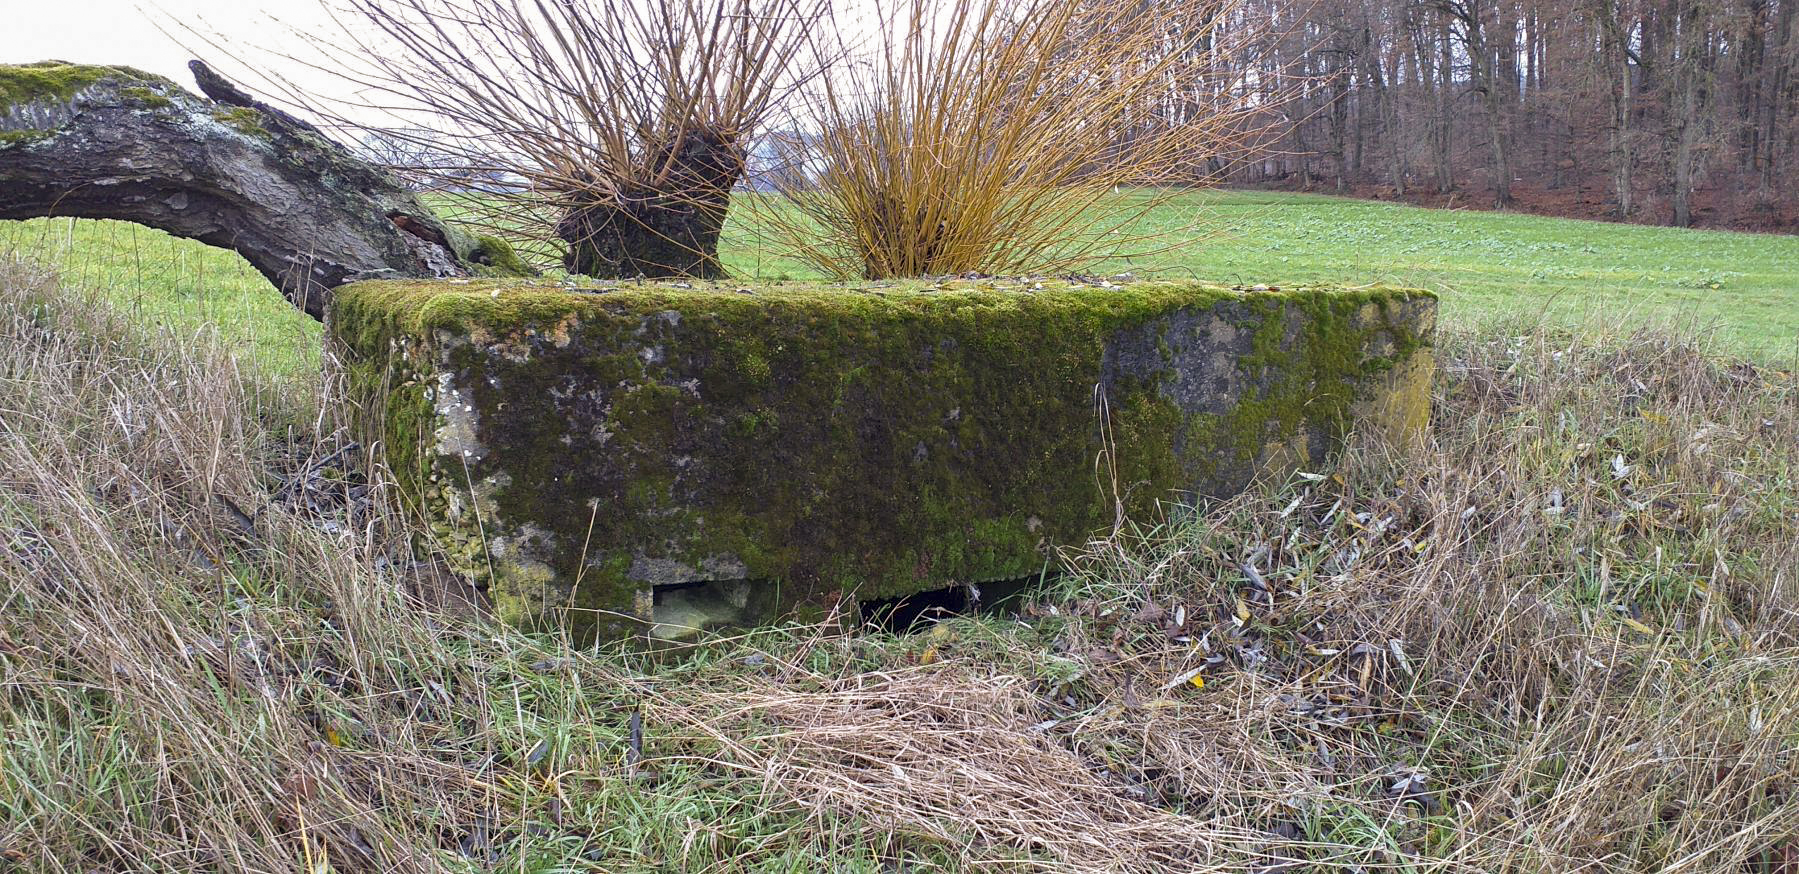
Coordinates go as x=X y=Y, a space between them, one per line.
x=150 y=35
x=126 y=31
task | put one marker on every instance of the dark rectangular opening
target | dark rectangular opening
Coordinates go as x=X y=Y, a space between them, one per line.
x=920 y=610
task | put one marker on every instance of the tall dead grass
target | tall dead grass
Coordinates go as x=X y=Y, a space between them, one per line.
x=192 y=677
x=1559 y=634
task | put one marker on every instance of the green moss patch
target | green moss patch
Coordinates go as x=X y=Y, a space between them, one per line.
x=242 y=119
x=494 y=257
x=58 y=80
x=586 y=446
x=22 y=137
x=146 y=97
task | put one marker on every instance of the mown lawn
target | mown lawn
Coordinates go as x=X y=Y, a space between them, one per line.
x=1486 y=265
x=1489 y=265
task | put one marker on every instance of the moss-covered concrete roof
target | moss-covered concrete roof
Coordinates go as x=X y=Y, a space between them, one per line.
x=495 y=303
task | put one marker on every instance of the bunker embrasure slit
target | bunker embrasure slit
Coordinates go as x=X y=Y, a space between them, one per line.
x=919 y=610
x=681 y=611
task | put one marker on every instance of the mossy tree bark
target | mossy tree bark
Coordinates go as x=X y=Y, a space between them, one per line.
x=668 y=224
x=112 y=142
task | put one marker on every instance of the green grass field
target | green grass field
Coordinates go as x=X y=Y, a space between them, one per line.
x=179 y=284
x=1489 y=265
x=1486 y=265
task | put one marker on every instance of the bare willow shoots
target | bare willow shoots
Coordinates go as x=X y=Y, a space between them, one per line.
x=611 y=129
x=994 y=136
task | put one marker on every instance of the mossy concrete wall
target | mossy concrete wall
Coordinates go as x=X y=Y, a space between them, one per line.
x=581 y=447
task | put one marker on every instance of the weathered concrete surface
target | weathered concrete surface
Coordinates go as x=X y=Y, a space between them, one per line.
x=594 y=450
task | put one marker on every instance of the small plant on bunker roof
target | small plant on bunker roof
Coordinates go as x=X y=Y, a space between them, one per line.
x=1015 y=137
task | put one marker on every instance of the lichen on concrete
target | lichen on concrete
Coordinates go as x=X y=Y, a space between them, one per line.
x=587 y=448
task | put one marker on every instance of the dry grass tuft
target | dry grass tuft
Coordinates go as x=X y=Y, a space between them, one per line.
x=951 y=757
x=1560 y=635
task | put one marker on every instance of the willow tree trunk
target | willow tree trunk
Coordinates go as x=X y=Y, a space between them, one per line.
x=117 y=143
x=665 y=225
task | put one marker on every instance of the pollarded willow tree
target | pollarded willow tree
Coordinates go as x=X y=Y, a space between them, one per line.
x=614 y=130
x=1000 y=136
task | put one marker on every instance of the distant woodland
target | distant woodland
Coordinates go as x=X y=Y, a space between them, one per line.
x=1682 y=112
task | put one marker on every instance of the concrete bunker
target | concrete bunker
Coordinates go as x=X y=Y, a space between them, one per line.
x=650 y=459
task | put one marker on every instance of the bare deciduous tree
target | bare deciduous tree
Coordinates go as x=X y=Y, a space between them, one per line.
x=613 y=130
x=1675 y=111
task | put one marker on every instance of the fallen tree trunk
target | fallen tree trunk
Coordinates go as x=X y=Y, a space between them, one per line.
x=113 y=142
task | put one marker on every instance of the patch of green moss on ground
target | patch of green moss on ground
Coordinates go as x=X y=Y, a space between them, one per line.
x=871 y=441
x=242 y=119
x=59 y=80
